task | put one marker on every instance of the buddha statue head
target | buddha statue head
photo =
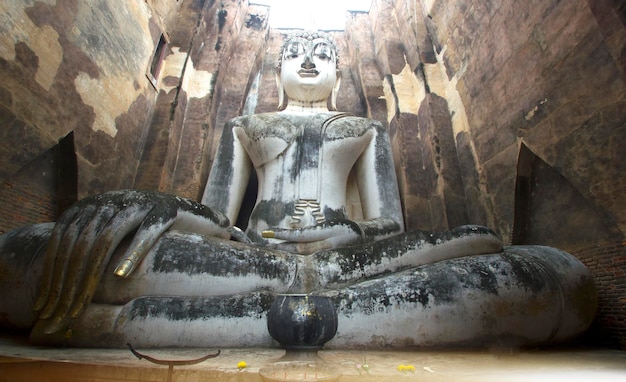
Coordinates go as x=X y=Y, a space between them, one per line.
x=307 y=70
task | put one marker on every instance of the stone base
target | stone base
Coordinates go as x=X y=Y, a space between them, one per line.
x=22 y=362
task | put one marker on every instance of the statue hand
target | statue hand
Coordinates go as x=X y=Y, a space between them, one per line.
x=331 y=234
x=86 y=235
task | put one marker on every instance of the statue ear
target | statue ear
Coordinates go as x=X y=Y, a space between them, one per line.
x=282 y=100
x=333 y=95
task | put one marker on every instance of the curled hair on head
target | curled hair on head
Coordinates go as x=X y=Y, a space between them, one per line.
x=308 y=35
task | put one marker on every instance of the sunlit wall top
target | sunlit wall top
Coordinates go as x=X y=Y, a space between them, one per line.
x=313 y=14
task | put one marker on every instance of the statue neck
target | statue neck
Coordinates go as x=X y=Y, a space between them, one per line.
x=294 y=106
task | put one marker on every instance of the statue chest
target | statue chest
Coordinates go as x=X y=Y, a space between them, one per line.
x=299 y=144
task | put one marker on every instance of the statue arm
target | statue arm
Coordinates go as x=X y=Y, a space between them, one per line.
x=378 y=188
x=229 y=175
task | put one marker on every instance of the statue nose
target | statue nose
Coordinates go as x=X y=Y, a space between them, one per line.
x=307 y=63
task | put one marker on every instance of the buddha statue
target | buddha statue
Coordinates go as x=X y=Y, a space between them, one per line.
x=157 y=270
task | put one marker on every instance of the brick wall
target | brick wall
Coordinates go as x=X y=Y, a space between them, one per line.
x=29 y=196
x=607 y=263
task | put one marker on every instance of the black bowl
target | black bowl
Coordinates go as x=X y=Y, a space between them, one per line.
x=300 y=321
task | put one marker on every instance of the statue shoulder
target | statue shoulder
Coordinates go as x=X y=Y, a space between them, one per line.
x=265 y=125
x=255 y=119
x=367 y=122
x=351 y=126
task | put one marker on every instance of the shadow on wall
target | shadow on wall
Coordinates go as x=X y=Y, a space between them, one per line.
x=42 y=189
x=549 y=210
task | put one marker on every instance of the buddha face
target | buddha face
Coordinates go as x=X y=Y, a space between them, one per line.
x=308 y=70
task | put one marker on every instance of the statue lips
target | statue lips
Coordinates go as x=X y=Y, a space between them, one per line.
x=308 y=73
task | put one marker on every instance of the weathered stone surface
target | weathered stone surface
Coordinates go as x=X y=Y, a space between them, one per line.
x=447 y=162
x=512 y=292
x=570 y=219
x=388 y=46
x=349 y=98
x=549 y=74
x=79 y=79
x=478 y=203
x=501 y=185
x=267 y=93
x=364 y=69
x=237 y=71
x=15 y=130
x=556 y=42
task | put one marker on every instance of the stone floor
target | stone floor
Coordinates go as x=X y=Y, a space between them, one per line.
x=21 y=362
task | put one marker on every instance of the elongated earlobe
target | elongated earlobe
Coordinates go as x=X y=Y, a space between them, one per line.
x=333 y=95
x=282 y=100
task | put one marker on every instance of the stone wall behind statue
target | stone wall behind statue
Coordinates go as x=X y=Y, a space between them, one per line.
x=75 y=67
x=504 y=80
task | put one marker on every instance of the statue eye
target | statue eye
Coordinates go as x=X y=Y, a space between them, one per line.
x=322 y=51
x=294 y=50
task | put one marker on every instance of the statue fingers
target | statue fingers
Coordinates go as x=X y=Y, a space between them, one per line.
x=299 y=235
x=343 y=240
x=307 y=248
x=108 y=240
x=60 y=237
x=188 y=208
x=158 y=220
x=195 y=217
x=303 y=248
x=70 y=250
x=239 y=235
x=50 y=257
x=336 y=231
x=76 y=267
x=62 y=255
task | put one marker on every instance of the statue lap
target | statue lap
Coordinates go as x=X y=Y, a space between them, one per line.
x=522 y=295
